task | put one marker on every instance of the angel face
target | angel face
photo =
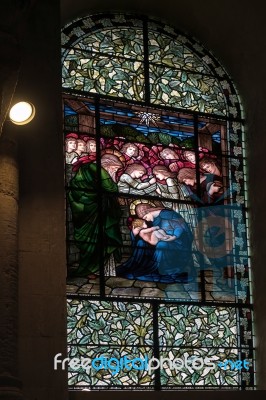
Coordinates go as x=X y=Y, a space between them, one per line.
x=130 y=151
x=92 y=147
x=190 y=157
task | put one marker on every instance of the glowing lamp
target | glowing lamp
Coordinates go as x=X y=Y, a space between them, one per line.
x=22 y=113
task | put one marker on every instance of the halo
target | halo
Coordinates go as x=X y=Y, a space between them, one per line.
x=133 y=205
x=115 y=153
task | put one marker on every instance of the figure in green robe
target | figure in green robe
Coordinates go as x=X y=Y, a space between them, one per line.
x=84 y=203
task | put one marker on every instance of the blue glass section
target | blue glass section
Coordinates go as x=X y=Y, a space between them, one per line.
x=68 y=111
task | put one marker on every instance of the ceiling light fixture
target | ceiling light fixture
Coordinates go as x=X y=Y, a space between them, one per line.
x=22 y=113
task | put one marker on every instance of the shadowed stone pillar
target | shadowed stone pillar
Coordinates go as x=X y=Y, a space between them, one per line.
x=9 y=384
x=13 y=18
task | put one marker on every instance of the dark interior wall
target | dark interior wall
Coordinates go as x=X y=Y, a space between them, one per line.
x=42 y=316
x=235 y=32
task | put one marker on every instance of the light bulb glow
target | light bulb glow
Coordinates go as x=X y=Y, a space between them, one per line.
x=22 y=113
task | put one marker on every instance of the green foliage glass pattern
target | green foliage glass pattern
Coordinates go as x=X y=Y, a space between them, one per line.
x=197 y=326
x=118 y=329
x=205 y=377
x=94 y=322
x=172 y=53
x=103 y=377
x=113 y=56
x=127 y=43
x=101 y=74
x=180 y=78
x=186 y=90
x=109 y=329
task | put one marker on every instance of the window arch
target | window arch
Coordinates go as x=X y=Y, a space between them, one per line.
x=158 y=261
x=146 y=61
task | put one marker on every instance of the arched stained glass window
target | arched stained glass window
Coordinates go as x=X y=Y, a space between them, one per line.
x=157 y=228
x=144 y=61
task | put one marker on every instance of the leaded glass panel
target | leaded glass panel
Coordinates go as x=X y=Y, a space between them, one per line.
x=145 y=156
x=157 y=225
x=102 y=74
x=188 y=337
x=187 y=90
x=173 y=53
x=107 y=56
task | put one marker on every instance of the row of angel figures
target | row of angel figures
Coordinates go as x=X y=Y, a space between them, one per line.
x=156 y=170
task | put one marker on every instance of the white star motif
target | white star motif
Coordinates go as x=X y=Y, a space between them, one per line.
x=148 y=118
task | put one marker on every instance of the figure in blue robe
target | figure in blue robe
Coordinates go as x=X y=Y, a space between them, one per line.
x=167 y=261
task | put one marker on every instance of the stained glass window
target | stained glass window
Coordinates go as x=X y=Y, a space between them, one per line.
x=159 y=284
